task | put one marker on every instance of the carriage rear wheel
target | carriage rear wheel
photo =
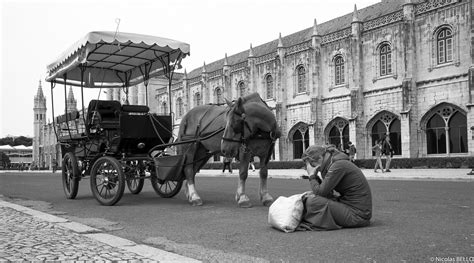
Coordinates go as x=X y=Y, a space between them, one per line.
x=107 y=180
x=134 y=182
x=70 y=175
x=165 y=188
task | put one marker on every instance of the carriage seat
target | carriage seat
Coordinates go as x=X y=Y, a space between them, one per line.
x=135 y=109
x=70 y=116
x=108 y=110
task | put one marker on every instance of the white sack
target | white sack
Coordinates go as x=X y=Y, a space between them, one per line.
x=286 y=212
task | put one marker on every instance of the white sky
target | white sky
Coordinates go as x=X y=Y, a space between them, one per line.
x=34 y=33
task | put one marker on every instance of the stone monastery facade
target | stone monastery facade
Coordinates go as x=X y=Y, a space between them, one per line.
x=398 y=68
x=403 y=69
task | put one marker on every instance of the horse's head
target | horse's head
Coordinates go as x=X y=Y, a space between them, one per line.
x=248 y=119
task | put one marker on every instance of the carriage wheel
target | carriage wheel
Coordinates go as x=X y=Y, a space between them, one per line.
x=134 y=182
x=70 y=175
x=107 y=180
x=164 y=188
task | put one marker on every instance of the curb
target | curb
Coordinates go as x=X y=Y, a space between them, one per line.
x=96 y=234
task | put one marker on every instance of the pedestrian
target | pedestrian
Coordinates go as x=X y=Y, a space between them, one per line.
x=387 y=150
x=377 y=149
x=352 y=151
x=324 y=209
x=251 y=163
x=227 y=163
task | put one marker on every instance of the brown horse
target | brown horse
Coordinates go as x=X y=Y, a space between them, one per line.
x=209 y=121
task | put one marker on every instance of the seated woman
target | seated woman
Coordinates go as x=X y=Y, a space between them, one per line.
x=341 y=197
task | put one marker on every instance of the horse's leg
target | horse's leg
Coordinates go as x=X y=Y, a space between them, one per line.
x=265 y=197
x=190 y=189
x=240 y=196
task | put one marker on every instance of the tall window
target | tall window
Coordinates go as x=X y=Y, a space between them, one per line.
x=385 y=60
x=242 y=88
x=269 y=82
x=197 y=99
x=179 y=106
x=436 y=135
x=339 y=70
x=445 y=46
x=218 y=94
x=446 y=132
x=301 y=79
x=338 y=138
x=164 y=108
x=300 y=143
x=388 y=123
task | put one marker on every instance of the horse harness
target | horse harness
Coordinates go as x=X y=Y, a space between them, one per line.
x=259 y=134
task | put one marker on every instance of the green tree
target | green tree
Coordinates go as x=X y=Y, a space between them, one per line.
x=4 y=160
x=14 y=141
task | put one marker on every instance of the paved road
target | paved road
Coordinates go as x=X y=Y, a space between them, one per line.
x=413 y=220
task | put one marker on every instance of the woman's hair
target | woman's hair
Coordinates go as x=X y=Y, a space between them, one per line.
x=313 y=153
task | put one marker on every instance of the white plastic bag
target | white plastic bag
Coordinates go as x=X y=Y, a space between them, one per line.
x=286 y=212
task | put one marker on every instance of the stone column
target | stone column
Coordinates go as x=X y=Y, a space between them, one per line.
x=405 y=134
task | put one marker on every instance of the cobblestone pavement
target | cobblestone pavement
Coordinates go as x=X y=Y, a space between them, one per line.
x=31 y=236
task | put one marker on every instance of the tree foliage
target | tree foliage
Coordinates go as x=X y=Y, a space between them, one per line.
x=4 y=160
x=14 y=141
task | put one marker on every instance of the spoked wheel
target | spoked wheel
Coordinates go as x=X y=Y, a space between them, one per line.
x=164 y=188
x=134 y=182
x=70 y=175
x=107 y=180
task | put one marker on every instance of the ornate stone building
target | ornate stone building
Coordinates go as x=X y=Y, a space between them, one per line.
x=397 y=68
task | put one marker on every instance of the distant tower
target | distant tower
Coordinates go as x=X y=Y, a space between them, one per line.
x=39 y=118
x=71 y=101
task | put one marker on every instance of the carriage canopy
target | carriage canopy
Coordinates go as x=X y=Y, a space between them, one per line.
x=110 y=59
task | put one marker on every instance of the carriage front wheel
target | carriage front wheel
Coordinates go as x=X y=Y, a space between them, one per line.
x=70 y=175
x=107 y=180
x=165 y=188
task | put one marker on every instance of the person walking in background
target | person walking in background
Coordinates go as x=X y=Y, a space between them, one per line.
x=377 y=149
x=251 y=163
x=227 y=163
x=387 y=150
x=352 y=151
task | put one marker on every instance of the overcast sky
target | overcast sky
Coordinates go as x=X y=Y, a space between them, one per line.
x=34 y=33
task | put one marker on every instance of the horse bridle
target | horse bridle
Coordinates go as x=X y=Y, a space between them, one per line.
x=270 y=135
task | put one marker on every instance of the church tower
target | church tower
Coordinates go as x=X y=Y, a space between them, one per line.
x=39 y=118
x=71 y=101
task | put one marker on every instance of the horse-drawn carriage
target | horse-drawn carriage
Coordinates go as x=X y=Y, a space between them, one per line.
x=118 y=144
x=109 y=140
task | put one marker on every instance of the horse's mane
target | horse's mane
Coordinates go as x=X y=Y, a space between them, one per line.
x=255 y=97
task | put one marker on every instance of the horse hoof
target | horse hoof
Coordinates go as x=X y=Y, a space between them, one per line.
x=197 y=202
x=245 y=204
x=267 y=202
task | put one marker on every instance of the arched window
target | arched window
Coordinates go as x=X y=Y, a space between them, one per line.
x=387 y=123
x=446 y=131
x=338 y=138
x=385 y=60
x=339 y=70
x=445 y=45
x=197 y=99
x=301 y=79
x=378 y=132
x=242 y=88
x=458 y=133
x=218 y=93
x=300 y=143
x=269 y=83
x=436 y=135
x=164 y=108
x=179 y=106
x=396 y=136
